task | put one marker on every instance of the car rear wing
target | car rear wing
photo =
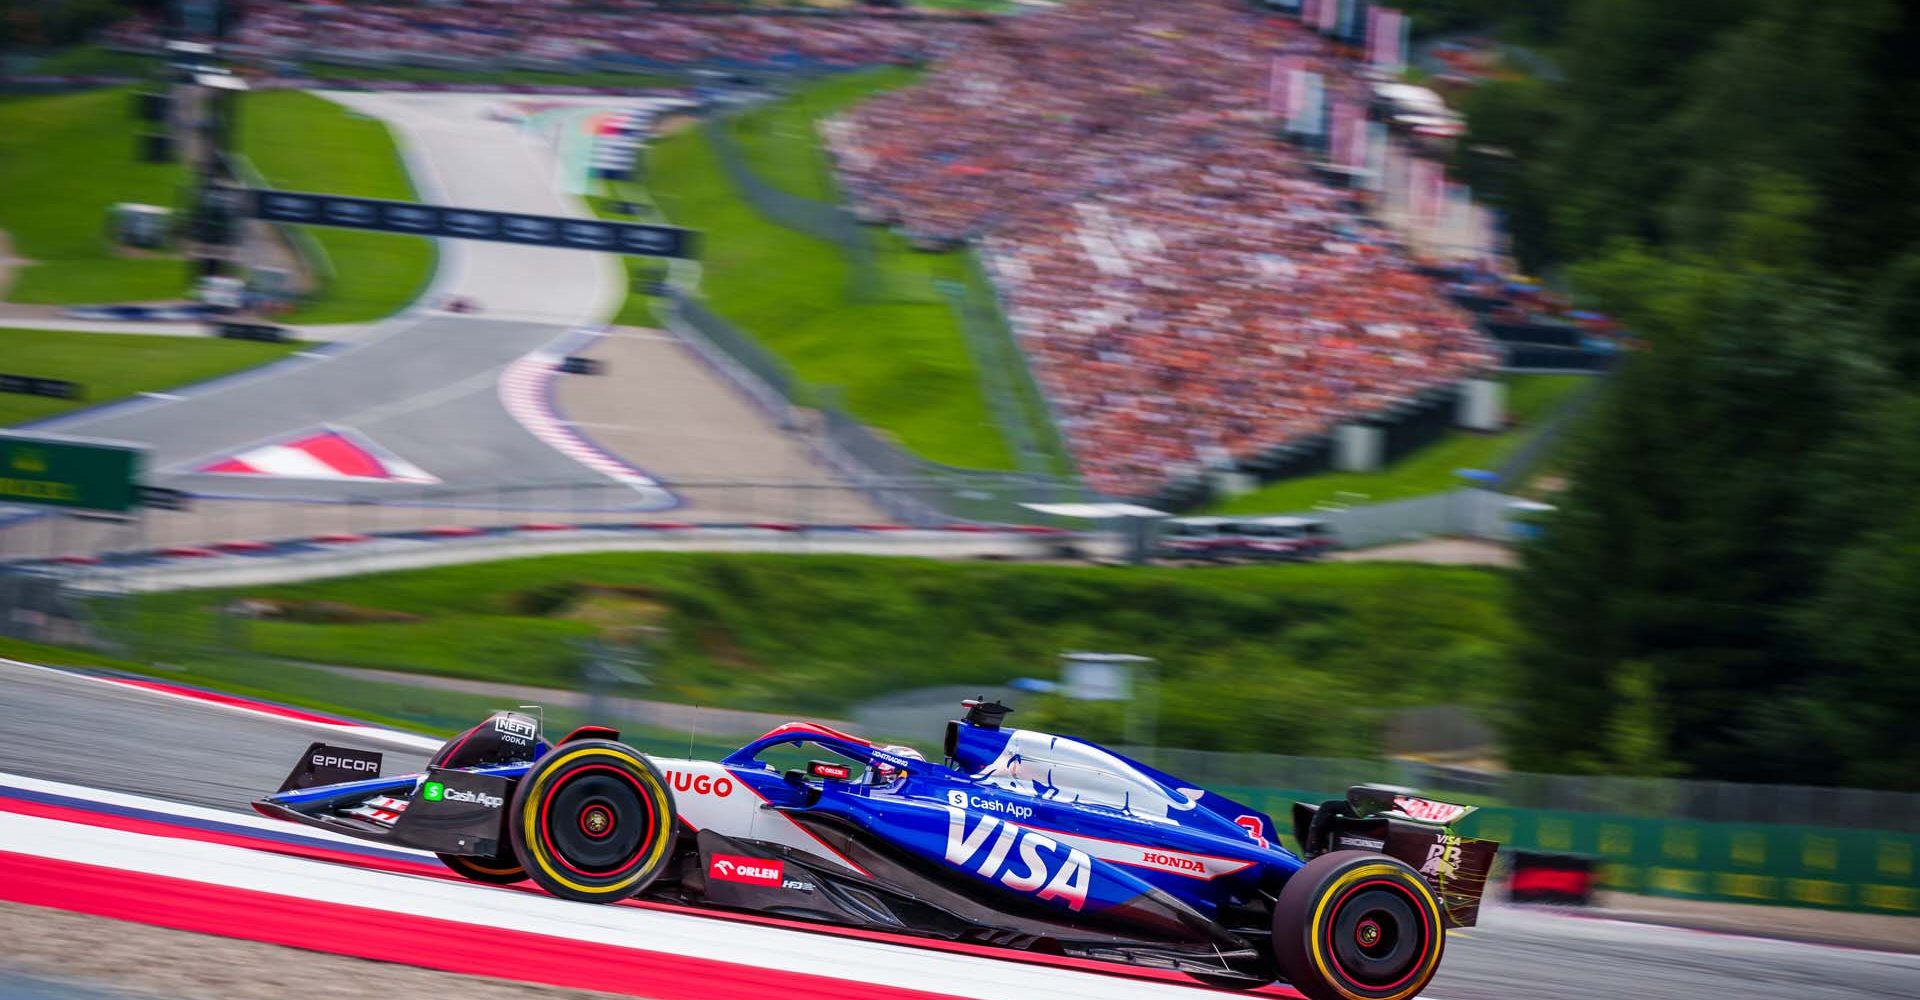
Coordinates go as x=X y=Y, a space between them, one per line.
x=1398 y=823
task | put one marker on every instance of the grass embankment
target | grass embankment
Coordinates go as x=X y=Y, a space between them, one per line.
x=64 y=160
x=895 y=356
x=300 y=142
x=114 y=366
x=1530 y=400
x=1296 y=659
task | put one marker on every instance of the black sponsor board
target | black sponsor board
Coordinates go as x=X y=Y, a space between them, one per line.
x=1561 y=879
x=457 y=812
x=472 y=224
x=52 y=388
x=576 y=365
x=162 y=498
x=253 y=331
x=325 y=765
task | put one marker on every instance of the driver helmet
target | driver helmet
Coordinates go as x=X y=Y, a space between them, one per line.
x=885 y=773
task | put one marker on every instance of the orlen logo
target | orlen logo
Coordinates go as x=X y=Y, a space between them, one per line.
x=348 y=763
x=700 y=784
x=752 y=871
x=1040 y=866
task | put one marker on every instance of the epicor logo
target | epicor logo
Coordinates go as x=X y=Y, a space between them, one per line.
x=700 y=784
x=347 y=763
x=1037 y=866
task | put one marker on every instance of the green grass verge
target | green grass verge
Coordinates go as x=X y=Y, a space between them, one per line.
x=300 y=142
x=64 y=160
x=897 y=358
x=114 y=366
x=1296 y=659
x=1530 y=399
x=92 y=60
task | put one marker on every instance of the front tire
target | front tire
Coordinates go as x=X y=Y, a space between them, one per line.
x=593 y=821
x=1354 y=925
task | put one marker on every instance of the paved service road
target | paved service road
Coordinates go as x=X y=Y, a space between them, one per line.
x=76 y=730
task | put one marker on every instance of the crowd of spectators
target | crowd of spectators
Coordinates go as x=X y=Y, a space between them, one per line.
x=565 y=30
x=1189 y=291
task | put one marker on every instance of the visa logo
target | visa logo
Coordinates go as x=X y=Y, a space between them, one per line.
x=1020 y=859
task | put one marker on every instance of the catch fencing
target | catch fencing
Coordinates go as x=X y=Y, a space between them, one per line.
x=873 y=500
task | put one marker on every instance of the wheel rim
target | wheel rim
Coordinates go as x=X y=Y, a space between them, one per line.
x=1379 y=936
x=597 y=822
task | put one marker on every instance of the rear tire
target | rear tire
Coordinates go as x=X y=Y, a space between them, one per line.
x=501 y=869
x=1354 y=925
x=592 y=821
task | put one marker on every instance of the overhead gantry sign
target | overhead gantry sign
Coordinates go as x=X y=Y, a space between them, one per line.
x=415 y=219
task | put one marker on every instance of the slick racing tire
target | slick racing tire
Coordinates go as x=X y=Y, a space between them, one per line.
x=1354 y=925
x=501 y=869
x=592 y=821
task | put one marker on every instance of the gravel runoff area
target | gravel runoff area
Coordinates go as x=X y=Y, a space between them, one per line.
x=95 y=953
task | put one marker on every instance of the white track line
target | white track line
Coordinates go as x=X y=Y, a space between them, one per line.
x=620 y=926
x=246 y=820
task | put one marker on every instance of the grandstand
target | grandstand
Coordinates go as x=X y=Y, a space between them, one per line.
x=1192 y=290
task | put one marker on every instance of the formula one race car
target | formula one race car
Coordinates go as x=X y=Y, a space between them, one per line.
x=1021 y=839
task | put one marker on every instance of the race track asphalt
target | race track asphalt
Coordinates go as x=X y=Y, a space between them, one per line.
x=76 y=730
x=426 y=391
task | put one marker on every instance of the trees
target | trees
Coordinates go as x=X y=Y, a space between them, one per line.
x=1676 y=115
x=1678 y=547
x=1733 y=579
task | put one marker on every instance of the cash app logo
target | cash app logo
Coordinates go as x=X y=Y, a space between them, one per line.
x=433 y=791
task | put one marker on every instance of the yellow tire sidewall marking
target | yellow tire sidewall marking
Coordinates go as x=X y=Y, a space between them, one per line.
x=530 y=824
x=1359 y=874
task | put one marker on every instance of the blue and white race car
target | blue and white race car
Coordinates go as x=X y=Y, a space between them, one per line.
x=1020 y=839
